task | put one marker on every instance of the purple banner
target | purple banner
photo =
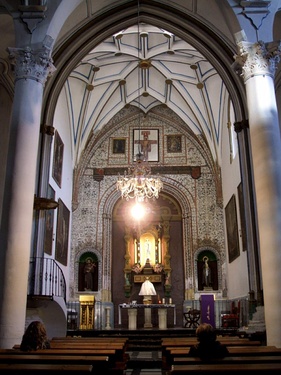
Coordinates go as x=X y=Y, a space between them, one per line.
x=207 y=309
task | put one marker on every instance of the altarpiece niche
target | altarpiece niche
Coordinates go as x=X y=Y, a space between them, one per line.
x=147 y=257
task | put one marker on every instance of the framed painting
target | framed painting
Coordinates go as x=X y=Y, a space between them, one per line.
x=146 y=142
x=62 y=233
x=232 y=229
x=49 y=224
x=118 y=145
x=242 y=217
x=174 y=143
x=58 y=159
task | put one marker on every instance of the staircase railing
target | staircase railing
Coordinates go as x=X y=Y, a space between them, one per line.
x=46 y=278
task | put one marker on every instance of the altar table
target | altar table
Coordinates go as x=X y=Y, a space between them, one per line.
x=132 y=313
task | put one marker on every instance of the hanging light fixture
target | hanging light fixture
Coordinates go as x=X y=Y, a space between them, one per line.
x=138 y=183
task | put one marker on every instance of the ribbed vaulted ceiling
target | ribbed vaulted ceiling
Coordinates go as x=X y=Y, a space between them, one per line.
x=146 y=66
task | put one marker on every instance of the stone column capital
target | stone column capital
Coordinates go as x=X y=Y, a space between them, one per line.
x=255 y=59
x=32 y=64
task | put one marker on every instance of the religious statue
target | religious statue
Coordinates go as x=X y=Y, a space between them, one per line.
x=206 y=277
x=147 y=290
x=89 y=269
x=147 y=246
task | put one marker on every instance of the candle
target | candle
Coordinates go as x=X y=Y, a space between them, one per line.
x=163 y=300
x=170 y=301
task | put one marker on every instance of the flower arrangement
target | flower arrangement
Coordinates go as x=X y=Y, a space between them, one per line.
x=136 y=268
x=158 y=268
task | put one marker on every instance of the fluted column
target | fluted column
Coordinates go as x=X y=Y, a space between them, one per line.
x=257 y=64
x=32 y=68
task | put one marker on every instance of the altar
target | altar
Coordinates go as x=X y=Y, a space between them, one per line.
x=133 y=312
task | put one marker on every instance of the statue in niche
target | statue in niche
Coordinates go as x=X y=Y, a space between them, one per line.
x=206 y=275
x=147 y=246
x=89 y=270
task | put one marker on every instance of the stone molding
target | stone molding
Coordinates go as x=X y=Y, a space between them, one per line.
x=31 y=64
x=255 y=59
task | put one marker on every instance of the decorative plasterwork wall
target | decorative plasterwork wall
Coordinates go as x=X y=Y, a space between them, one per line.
x=95 y=196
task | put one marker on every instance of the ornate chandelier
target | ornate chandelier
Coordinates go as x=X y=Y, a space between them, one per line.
x=138 y=183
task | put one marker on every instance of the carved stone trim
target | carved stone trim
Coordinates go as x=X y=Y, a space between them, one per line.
x=31 y=64
x=255 y=11
x=257 y=59
x=31 y=15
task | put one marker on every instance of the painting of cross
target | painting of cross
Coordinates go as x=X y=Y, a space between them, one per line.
x=146 y=143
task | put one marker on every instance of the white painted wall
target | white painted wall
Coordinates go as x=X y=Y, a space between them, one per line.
x=230 y=181
x=61 y=124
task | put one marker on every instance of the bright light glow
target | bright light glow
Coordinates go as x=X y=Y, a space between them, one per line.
x=138 y=211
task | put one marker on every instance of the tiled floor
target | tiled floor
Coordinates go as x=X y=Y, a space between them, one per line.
x=144 y=363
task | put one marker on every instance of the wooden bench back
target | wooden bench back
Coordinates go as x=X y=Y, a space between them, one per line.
x=231 y=359
x=34 y=368
x=257 y=368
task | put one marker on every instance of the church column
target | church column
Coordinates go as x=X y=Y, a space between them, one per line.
x=258 y=63
x=32 y=68
x=106 y=258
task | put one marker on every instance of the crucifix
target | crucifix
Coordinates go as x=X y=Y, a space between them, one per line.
x=145 y=144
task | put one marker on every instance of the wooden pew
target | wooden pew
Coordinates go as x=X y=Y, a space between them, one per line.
x=174 y=354
x=188 y=341
x=232 y=368
x=114 y=364
x=73 y=352
x=100 y=361
x=230 y=359
x=261 y=350
x=53 y=369
x=114 y=349
x=85 y=345
x=120 y=356
x=185 y=342
x=94 y=339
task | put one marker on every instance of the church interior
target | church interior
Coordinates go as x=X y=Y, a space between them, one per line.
x=140 y=167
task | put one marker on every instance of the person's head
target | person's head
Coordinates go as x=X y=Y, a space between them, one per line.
x=206 y=333
x=35 y=336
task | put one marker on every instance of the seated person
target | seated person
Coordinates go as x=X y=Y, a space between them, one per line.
x=208 y=347
x=35 y=337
